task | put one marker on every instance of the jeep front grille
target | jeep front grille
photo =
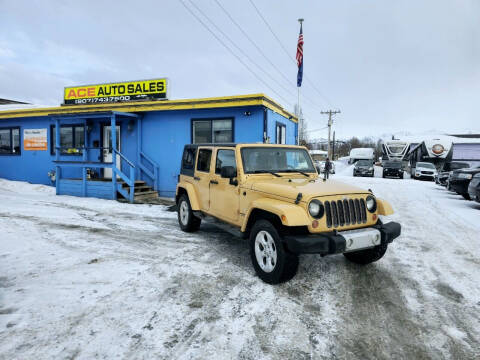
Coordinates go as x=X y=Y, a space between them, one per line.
x=345 y=212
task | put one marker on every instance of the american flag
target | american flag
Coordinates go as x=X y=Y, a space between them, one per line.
x=300 y=57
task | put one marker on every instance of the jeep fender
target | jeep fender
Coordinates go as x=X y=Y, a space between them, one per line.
x=290 y=214
x=192 y=195
x=384 y=207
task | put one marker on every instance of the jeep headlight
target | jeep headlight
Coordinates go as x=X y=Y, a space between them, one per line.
x=371 y=203
x=465 y=176
x=370 y=168
x=316 y=209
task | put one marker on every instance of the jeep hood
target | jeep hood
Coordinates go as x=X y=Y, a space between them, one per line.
x=289 y=188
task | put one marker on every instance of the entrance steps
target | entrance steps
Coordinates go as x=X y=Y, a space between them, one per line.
x=143 y=193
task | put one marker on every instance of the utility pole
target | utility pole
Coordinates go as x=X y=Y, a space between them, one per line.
x=333 y=152
x=330 y=122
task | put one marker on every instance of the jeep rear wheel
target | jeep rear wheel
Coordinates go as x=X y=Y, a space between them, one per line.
x=364 y=257
x=272 y=262
x=186 y=219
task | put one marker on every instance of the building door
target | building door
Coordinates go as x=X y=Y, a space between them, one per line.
x=224 y=197
x=107 y=149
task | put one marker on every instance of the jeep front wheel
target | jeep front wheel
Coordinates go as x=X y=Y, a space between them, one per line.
x=367 y=256
x=186 y=219
x=271 y=261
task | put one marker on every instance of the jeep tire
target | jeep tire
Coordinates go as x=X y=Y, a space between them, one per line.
x=367 y=256
x=186 y=219
x=272 y=262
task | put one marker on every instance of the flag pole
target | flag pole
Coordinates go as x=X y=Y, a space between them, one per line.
x=298 y=99
x=298 y=116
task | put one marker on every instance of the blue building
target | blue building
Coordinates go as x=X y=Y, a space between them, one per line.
x=78 y=148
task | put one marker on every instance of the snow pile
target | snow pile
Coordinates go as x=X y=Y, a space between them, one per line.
x=341 y=164
x=90 y=278
x=26 y=188
x=345 y=170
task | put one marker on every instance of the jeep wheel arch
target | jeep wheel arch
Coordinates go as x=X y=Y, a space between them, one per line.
x=186 y=188
x=283 y=213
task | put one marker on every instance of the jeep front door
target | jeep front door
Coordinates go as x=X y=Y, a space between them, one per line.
x=224 y=197
x=202 y=176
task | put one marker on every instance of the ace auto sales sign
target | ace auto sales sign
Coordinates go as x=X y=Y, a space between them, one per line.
x=155 y=89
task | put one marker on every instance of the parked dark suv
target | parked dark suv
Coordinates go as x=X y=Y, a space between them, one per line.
x=392 y=169
x=444 y=172
x=363 y=168
x=460 y=179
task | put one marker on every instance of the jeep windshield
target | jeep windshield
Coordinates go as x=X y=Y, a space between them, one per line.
x=276 y=160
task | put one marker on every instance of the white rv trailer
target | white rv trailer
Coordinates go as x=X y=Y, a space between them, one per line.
x=395 y=150
x=432 y=150
x=361 y=154
x=465 y=150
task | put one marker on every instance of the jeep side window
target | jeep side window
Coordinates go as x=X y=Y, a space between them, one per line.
x=204 y=157
x=188 y=158
x=225 y=158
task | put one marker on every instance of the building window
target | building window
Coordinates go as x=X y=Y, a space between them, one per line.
x=281 y=134
x=10 y=141
x=204 y=157
x=72 y=139
x=209 y=131
x=225 y=158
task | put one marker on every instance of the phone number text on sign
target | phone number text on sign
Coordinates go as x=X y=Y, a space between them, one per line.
x=102 y=99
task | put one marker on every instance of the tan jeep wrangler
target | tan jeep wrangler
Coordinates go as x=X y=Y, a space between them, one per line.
x=274 y=196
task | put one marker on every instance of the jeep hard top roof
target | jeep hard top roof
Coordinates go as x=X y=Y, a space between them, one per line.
x=241 y=144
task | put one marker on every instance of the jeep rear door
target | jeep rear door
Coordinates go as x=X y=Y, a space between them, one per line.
x=224 y=197
x=202 y=176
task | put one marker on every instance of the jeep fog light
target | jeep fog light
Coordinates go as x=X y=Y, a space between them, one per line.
x=371 y=203
x=316 y=209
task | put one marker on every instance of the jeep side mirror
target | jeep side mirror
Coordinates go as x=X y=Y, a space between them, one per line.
x=228 y=172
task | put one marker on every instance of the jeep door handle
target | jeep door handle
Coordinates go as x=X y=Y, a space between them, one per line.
x=196 y=178
x=213 y=182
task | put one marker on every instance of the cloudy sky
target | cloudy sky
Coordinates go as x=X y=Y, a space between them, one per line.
x=390 y=66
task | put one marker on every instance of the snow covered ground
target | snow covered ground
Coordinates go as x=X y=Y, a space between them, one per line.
x=88 y=278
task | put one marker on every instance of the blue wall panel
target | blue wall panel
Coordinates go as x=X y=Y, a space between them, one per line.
x=96 y=189
x=163 y=137
x=291 y=127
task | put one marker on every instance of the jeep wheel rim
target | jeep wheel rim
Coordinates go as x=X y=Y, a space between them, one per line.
x=265 y=251
x=184 y=212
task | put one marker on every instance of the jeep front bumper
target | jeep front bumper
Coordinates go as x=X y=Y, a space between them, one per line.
x=343 y=241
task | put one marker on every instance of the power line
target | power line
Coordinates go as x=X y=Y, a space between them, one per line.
x=239 y=48
x=288 y=53
x=260 y=50
x=232 y=52
x=323 y=128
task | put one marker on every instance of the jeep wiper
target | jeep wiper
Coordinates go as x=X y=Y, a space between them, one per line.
x=266 y=171
x=296 y=171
